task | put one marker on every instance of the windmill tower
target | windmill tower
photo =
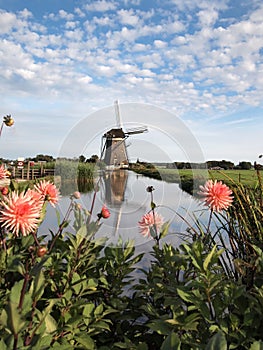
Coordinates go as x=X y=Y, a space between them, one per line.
x=115 y=149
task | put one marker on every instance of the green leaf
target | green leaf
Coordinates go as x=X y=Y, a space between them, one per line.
x=172 y=342
x=58 y=217
x=209 y=258
x=101 y=325
x=38 y=285
x=38 y=267
x=92 y=284
x=15 y=321
x=88 y=309
x=188 y=297
x=160 y=327
x=43 y=343
x=194 y=254
x=27 y=241
x=2 y=345
x=14 y=186
x=98 y=311
x=16 y=292
x=3 y=319
x=120 y=345
x=76 y=282
x=86 y=341
x=82 y=233
x=58 y=346
x=257 y=345
x=165 y=229
x=217 y=342
x=51 y=324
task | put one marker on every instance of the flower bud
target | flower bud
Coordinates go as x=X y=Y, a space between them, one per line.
x=76 y=195
x=4 y=190
x=41 y=251
x=78 y=206
x=149 y=189
x=105 y=213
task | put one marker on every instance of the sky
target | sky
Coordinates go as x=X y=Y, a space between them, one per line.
x=189 y=70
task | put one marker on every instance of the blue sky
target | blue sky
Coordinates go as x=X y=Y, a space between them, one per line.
x=195 y=64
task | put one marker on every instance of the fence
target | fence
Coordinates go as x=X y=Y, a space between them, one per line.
x=31 y=173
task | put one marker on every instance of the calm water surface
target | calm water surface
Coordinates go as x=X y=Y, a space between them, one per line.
x=124 y=193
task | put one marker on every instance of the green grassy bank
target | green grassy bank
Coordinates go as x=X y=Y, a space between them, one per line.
x=190 y=179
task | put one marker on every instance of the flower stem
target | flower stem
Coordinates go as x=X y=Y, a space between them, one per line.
x=35 y=238
x=61 y=226
x=209 y=221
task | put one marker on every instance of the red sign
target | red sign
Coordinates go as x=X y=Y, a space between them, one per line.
x=20 y=164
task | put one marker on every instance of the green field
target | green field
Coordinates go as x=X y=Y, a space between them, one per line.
x=190 y=179
x=246 y=177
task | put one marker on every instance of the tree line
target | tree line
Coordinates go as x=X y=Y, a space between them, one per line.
x=211 y=164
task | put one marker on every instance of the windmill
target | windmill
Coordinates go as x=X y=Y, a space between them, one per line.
x=114 y=148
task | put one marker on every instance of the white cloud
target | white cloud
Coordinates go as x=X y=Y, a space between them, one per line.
x=71 y=24
x=79 y=12
x=160 y=44
x=64 y=15
x=25 y=14
x=75 y=34
x=103 y=21
x=85 y=79
x=207 y=17
x=127 y=17
x=101 y=6
x=7 y=22
x=105 y=71
x=139 y=47
x=175 y=27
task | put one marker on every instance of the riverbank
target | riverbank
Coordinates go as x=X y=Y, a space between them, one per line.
x=189 y=180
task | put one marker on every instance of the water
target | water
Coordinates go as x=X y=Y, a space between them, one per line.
x=124 y=193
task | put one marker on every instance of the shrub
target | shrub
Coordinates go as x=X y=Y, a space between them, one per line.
x=72 y=290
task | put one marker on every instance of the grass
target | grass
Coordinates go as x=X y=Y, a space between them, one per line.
x=247 y=178
x=190 y=179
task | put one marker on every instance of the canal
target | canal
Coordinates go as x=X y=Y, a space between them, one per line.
x=124 y=193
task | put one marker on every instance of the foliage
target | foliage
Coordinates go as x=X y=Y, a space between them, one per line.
x=72 y=290
x=59 y=291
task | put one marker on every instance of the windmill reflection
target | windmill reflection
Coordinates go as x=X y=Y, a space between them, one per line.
x=115 y=185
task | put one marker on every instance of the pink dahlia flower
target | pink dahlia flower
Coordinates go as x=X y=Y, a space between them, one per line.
x=3 y=172
x=48 y=191
x=217 y=195
x=149 y=221
x=36 y=196
x=20 y=213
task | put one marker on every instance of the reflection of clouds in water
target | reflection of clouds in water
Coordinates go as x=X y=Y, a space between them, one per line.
x=124 y=218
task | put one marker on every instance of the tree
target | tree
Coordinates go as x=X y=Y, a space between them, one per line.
x=93 y=159
x=43 y=158
x=245 y=165
x=82 y=159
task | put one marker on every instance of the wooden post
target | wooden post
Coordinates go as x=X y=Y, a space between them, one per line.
x=28 y=171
